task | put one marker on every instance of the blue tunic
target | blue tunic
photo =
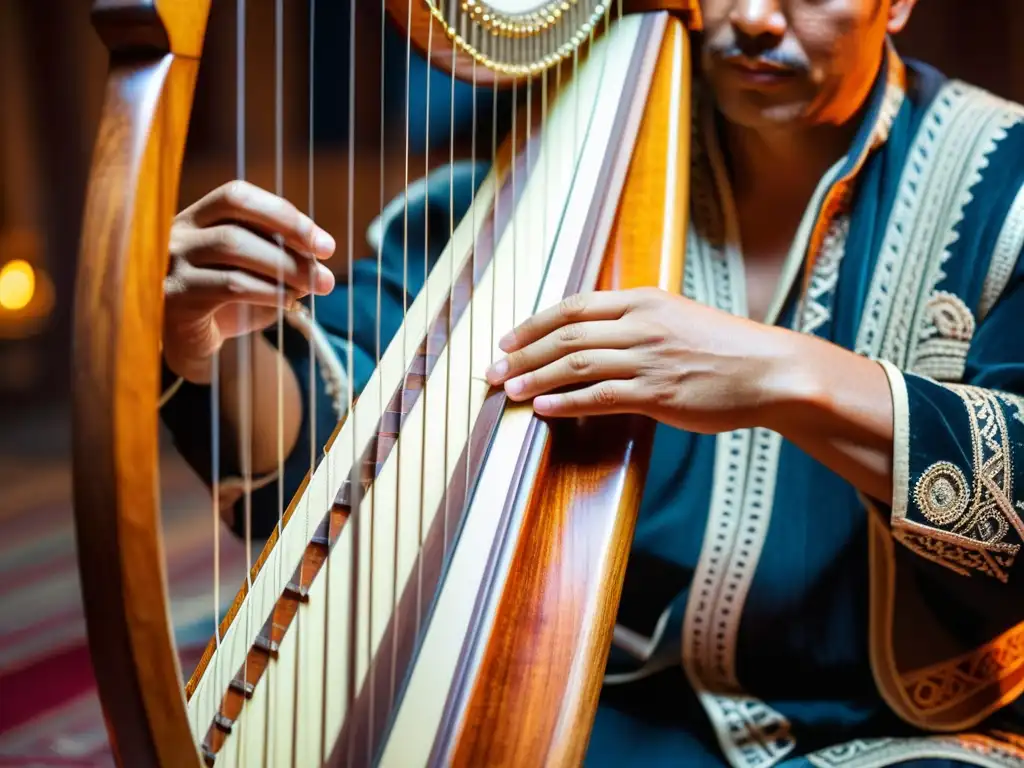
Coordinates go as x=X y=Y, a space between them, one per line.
x=771 y=614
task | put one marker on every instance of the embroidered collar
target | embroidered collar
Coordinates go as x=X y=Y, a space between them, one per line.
x=832 y=197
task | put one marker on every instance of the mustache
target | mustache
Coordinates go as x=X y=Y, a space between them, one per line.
x=772 y=57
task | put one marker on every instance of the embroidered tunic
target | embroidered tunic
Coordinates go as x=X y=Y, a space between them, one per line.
x=771 y=614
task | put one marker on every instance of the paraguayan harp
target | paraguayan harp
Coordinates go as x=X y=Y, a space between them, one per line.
x=410 y=608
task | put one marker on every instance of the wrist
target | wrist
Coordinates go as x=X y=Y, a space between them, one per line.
x=189 y=349
x=792 y=386
x=193 y=370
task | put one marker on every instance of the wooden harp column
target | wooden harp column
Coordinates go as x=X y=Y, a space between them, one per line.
x=526 y=685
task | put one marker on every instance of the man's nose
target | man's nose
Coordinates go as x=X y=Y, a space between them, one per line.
x=758 y=23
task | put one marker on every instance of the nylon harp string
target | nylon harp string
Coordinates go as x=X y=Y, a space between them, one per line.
x=243 y=347
x=451 y=284
x=426 y=324
x=314 y=433
x=472 y=283
x=404 y=342
x=355 y=487
x=372 y=690
x=273 y=702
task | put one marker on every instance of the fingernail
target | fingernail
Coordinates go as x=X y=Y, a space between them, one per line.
x=323 y=243
x=324 y=278
x=514 y=386
x=498 y=370
x=507 y=341
x=543 y=403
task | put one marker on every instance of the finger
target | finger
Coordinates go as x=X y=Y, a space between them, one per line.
x=242 y=202
x=603 y=398
x=576 y=368
x=227 y=245
x=215 y=287
x=242 y=319
x=598 y=334
x=599 y=305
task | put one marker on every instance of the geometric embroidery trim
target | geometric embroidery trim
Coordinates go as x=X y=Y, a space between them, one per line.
x=750 y=733
x=817 y=307
x=875 y=753
x=1005 y=254
x=976 y=527
x=949 y=683
x=945 y=338
x=958 y=134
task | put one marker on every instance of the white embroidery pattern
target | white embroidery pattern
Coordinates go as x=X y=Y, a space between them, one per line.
x=875 y=753
x=931 y=337
x=945 y=338
x=936 y=186
x=1007 y=251
x=817 y=309
x=751 y=734
x=972 y=522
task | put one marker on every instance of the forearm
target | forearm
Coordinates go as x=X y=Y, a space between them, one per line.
x=837 y=407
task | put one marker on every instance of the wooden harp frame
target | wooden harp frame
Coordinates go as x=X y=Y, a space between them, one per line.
x=566 y=546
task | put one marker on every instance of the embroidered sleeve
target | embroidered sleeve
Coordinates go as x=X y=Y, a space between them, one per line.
x=958 y=496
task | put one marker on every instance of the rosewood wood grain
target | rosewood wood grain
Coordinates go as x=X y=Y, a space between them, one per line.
x=535 y=686
x=154 y=48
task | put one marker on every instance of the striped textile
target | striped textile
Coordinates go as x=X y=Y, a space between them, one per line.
x=49 y=710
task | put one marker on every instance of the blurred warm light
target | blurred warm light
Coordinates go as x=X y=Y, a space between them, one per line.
x=17 y=285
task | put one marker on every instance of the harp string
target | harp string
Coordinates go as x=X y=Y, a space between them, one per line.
x=513 y=217
x=273 y=700
x=313 y=379
x=279 y=191
x=426 y=324
x=243 y=346
x=472 y=281
x=529 y=147
x=451 y=283
x=494 y=220
x=354 y=477
x=404 y=342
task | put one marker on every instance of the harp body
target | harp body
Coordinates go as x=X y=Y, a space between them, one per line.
x=507 y=547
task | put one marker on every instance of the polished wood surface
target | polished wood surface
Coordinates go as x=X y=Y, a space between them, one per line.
x=538 y=681
x=131 y=201
x=533 y=689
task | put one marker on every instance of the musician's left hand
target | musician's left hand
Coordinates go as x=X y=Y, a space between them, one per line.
x=649 y=352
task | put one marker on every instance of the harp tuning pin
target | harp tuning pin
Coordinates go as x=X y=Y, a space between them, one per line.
x=266 y=645
x=243 y=687
x=223 y=723
x=297 y=592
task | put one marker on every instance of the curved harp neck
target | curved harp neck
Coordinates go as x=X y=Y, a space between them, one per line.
x=131 y=199
x=160 y=26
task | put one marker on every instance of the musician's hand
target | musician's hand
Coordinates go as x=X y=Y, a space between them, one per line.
x=227 y=275
x=647 y=352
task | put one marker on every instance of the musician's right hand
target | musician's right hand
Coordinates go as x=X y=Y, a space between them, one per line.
x=228 y=277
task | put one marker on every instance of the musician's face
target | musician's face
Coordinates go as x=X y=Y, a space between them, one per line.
x=772 y=62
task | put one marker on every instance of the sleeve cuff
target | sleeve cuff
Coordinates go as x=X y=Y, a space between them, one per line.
x=956 y=474
x=900 y=439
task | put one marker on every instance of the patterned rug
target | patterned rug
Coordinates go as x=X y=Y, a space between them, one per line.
x=50 y=714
